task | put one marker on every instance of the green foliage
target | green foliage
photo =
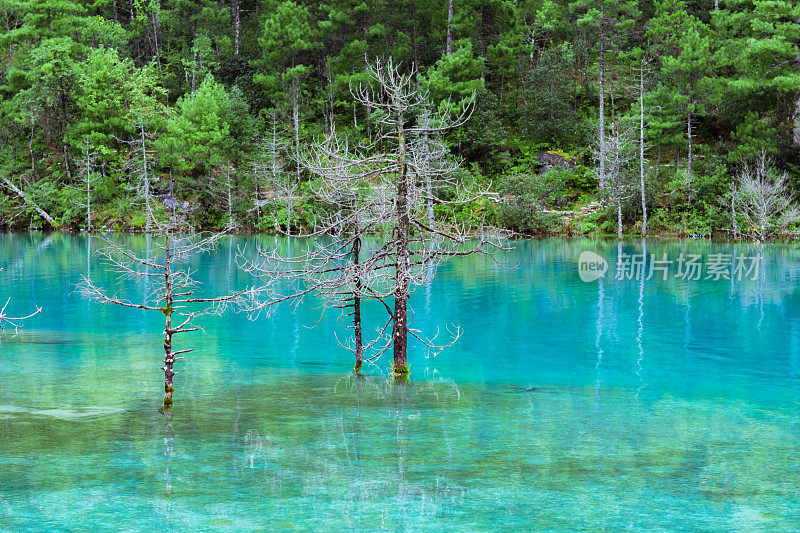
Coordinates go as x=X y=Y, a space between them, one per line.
x=199 y=131
x=456 y=75
x=548 y=114
x=73 y=70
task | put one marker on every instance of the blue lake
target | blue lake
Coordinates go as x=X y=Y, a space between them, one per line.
x=643 y=404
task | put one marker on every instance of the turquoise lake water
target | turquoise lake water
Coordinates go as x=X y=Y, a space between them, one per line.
x=643 y=404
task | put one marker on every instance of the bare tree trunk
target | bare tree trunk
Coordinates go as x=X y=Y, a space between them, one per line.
x=641 y=151
x=450 y=14
x=689 y=162
x=619 y=215
x=169 y=356
x=257 y=199
x=357 y=306
x=27 y=200
x=428 y=182
x=30 y=143
x=483 y=45
x=236 y=28
x=289 y=210
x=194 y=57
x=66 y=161
x=230 y=199
x=733 y=213
x=399 y=320
x=367 y=123
x=148 y=210
x=796 y=119
x=415 y=38
x=172 y=193
x=296 y=121
x=88 y=194
x=155 y=40
x=274 y=160
x=602 y=111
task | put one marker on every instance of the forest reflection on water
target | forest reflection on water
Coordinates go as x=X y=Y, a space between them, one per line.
x=636 y=403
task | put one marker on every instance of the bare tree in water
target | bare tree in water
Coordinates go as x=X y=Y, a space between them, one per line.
x=11 y=321
x=329 y=265
x=387 y=189
x=172 y=289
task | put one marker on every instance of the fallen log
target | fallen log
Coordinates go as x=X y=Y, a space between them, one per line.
x=27 y=200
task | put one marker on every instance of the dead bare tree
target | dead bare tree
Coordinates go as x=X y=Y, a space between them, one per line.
x=767 y=204
x=269 y=168
x=86 y=167
x=642 y=72
x=28 y=200
x=8 y=321
x=399 y=169
x=172 y=289
x=229 y=191
x=141 y=165
x=386 y=190
x=616 y=156
x=330 y=265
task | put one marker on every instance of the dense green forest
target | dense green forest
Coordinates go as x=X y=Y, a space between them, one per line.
x=584 y=113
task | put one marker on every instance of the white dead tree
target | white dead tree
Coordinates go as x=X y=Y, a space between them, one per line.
x=13 y=322
x=172 y=289
x=732 y=200
x=407 y=253
x=229 y=190
x=384 y=189
x=141 y=165
x=28 y=200
x=88 y=176
x=643 y=114
x=765 y=199
x=269 y=168
x=616 y=157
x=330 y=265
x=399 y=200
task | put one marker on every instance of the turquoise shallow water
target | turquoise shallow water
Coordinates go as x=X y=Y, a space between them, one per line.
x=616 y=404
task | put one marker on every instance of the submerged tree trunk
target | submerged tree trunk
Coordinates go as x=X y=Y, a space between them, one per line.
x=169 y=356
x=399 y=320
x=357 y=307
